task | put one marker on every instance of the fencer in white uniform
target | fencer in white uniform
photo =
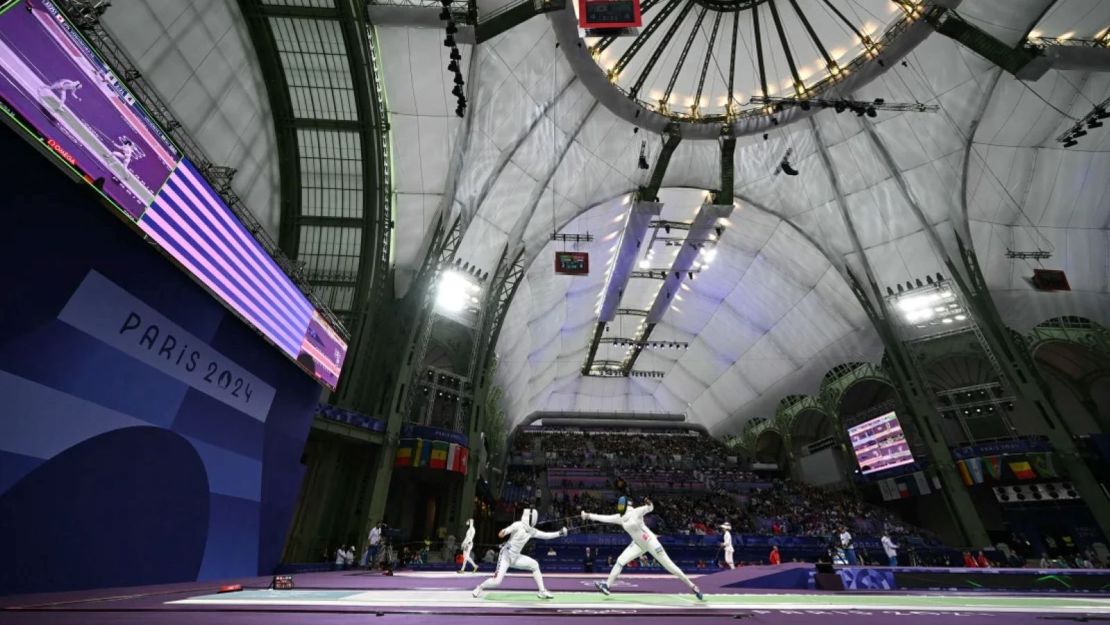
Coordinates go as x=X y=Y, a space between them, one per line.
x=518 y=535
x=726 y=544
x=468 y=546
x=643 y=541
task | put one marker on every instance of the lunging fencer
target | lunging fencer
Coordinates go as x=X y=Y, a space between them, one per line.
x=643 y=541
x=726 y=544
x=518 y=535
x=468 y=546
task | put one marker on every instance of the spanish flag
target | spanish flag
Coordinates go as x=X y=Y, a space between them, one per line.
x=965 y=475
x=1022 y=470
x=439 y=455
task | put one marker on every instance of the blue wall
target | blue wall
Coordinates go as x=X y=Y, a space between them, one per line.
x=120 y=464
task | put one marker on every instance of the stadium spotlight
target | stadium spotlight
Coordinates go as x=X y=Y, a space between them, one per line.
x=455 y=291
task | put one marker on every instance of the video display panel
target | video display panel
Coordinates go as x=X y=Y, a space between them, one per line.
x=60 y=93
x=880 y=444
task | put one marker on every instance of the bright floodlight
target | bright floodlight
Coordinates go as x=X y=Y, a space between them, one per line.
x=455 y=291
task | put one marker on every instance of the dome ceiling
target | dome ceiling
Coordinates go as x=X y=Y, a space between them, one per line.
x=706 y=59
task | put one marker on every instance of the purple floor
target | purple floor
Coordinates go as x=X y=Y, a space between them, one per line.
x=148 y=605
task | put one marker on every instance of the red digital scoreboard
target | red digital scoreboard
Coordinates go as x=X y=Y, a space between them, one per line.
x=572 y=263
x=608 y=14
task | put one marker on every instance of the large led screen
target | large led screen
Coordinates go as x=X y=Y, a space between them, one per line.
x=59 y=92
x=880 y=444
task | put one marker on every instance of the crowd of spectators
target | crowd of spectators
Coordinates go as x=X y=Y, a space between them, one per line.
x=694 y=482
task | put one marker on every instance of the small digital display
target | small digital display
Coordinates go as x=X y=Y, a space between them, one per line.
x=880 y=444
x=572 y=263
x=602 y=14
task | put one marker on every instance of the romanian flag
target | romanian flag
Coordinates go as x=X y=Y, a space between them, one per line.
x=438 y=459
x=965 y=475
x=403 y=458
x=1022 y=470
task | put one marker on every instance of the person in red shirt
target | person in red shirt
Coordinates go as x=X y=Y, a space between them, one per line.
x=969 y=561
x=982 y=561
x=774 y=557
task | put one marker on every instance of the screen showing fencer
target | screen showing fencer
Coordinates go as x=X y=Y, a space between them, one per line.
x=55 y=88
x=880 y=444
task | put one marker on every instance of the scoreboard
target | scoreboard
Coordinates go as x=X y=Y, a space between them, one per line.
x=572 y=263
x=608 y=14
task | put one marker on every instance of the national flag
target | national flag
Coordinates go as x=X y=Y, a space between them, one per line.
x=975 y=469
x=922 y=483
x=452 y=456
x=457 y=459
x=438 y=457
x=903 y=490
x=993 y=465
x=1042 y=464
x=403 y=457
x=965 y=474
x=1022 y=470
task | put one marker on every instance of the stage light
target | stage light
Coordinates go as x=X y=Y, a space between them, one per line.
x=453 y=66
x=644 y=264
x=1094 y=123
x=445 y=14
x=451 y=29
x=458 y=79
x=1070 y=143
x=457 y=91
x=455 y=56
x=1079 y=133
x=454 y=290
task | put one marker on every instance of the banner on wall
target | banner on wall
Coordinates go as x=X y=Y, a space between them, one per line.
x=411 y=430
x=1002 y=448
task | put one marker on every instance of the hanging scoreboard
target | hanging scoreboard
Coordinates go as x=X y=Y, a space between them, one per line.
x=572 y=263
x=608 y=14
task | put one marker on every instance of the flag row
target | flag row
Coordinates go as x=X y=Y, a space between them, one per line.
x=421 y=452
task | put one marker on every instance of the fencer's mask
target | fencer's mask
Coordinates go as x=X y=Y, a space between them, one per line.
x=726 y=526
x=529 y=517
x=470 y=522
x=622 y=505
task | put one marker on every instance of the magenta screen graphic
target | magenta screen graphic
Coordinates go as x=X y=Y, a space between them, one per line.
x=58 y=91
x=880 y=444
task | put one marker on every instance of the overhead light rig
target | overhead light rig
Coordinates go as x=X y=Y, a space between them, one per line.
x=572 y=238
x=1090 y=121
x=1035 y=255
x=641 y=343
x=859 y=107
x=455 y=57
x=661 y=274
